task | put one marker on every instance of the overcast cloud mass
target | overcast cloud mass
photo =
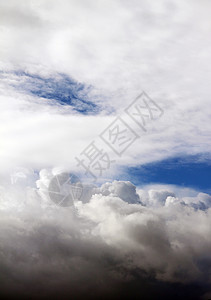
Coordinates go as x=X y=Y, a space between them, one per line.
x=67 y=70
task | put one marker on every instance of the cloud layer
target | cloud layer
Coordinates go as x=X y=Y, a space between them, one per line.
x=117 y=238
x=118 y=48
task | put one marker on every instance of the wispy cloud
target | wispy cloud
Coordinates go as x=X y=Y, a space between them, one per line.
x=58 y=87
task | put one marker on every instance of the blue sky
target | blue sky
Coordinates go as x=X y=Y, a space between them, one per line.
x=58 y=87
x=184 y=171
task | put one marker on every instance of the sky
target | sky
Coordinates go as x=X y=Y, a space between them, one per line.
x=115 y=95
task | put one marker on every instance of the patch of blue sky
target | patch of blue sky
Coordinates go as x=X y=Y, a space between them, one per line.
x=59 y=88
x=192 y=171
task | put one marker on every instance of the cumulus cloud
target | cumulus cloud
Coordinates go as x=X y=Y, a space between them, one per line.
x=104 y=245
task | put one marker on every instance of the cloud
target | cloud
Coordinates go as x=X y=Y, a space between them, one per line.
x=119 y=49
x=105 y=244
x=118 y=240
x=59 y=88
x=124 y=190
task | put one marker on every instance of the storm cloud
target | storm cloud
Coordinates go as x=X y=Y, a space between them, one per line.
x=118 y=242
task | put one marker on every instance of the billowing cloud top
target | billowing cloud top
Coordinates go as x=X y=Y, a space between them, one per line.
x=115 y=238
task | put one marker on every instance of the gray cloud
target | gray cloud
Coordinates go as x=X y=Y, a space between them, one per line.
x=105 y=245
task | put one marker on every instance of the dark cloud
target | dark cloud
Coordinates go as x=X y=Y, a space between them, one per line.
x=105 y=247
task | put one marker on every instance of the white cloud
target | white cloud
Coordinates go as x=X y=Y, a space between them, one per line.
x=105 y=238
x=118 y=235
x=121 y=49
